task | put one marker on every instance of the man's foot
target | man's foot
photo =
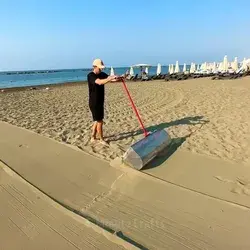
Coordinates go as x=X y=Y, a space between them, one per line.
x=93 y=139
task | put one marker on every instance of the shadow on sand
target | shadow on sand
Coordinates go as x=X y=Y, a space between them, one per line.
x=175 y=142
x=164 y=155
x=183 y=121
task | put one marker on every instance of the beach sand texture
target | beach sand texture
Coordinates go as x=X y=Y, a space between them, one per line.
x=197 y=199
x=37 y=222
x=202 y=116
x=184 y=208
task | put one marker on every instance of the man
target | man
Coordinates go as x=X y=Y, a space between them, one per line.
x=96 y=81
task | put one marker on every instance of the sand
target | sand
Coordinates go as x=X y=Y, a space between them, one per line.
x=35 y=221
x=195 y=196
x=202 y=116
x=138 y=209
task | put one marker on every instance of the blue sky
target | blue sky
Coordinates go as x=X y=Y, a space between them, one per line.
x=70 y=34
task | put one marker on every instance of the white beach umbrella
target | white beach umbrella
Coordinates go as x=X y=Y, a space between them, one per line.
x=209 y=66
x=169 y=68
x=171 y=71
x=214 y=68
x=141 y=65
x=231 y=65
x=177 y=68
x=205 y=66
x=244 y=64
x=112 y=72
x=192 y=68
x=172 y=68
x=248 y=62
x=131 y=71
x=225 y=63
x=158 y=71
x=221 y=66
x=235 y=64
x=184 y=67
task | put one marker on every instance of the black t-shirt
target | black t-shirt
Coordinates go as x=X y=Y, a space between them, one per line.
x=96 y=91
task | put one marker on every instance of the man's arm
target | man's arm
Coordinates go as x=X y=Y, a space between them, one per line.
x=104 y=81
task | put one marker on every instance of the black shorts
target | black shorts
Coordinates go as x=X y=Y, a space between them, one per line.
x=97 y=112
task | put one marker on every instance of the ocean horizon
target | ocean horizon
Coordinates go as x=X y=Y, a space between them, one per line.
x=24 y=78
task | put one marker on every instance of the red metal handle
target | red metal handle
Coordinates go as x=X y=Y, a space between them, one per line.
x=134 y=108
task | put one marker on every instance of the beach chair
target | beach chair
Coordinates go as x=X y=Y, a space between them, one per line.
x=144 y=77
x=135 y=78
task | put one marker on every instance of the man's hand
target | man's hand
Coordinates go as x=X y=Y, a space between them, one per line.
x=117 y=79
x=111 y=78
x=108 y=79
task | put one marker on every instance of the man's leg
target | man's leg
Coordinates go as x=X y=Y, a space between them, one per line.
x=94 y=131
x=100 y=130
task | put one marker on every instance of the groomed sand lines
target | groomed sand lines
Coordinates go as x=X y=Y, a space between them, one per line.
x=211 y=117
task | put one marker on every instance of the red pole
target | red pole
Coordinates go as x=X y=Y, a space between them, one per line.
x=134 y=108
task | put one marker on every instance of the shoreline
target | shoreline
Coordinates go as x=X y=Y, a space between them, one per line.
x=42 y=86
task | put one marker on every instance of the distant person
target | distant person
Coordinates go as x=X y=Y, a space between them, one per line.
x=96 y=81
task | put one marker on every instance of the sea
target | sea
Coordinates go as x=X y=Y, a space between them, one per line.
x=12 y=79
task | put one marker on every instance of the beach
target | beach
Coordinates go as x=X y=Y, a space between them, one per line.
x=58 y=189
x=202 y=116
